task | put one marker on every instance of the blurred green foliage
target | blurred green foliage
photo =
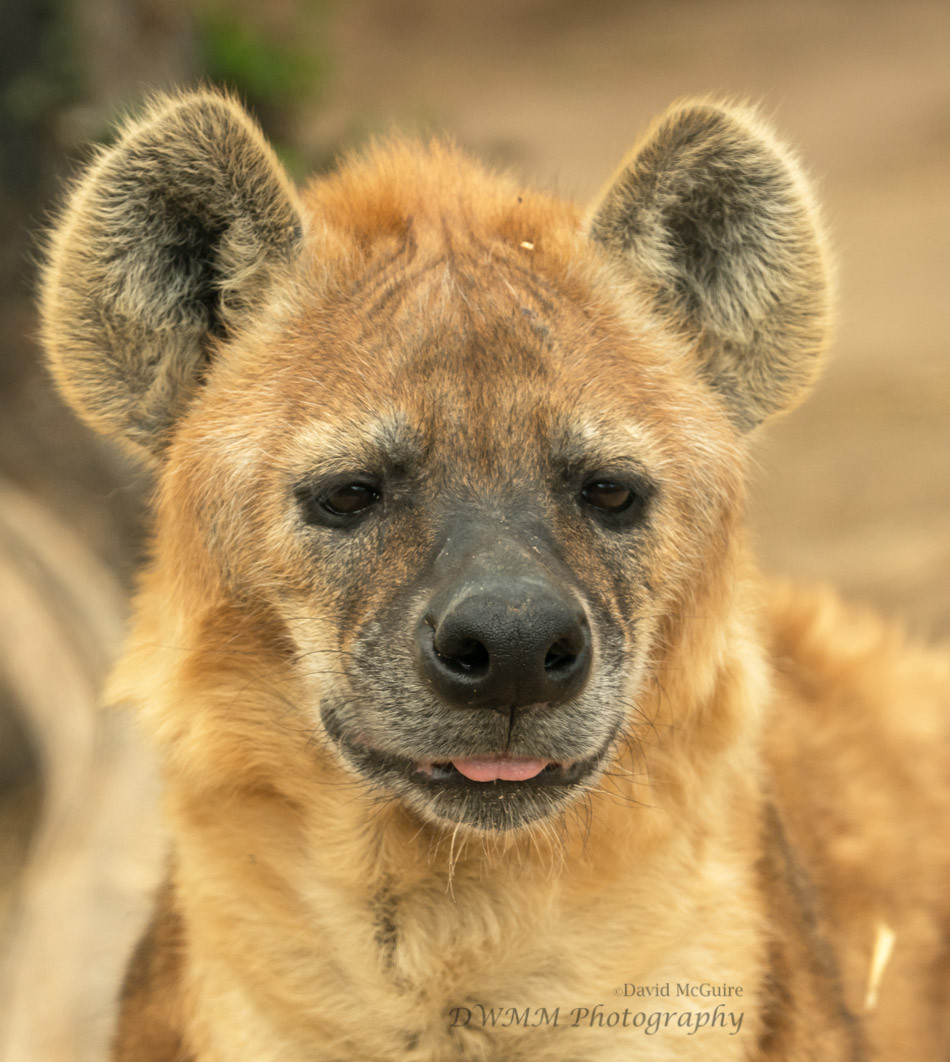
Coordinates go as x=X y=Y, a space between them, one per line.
x=40 y=69
x=250 y=58
x=274 y=65
x=275 y=59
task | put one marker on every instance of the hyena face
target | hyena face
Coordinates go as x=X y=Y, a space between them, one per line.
x=444 y=436
x=475 y=505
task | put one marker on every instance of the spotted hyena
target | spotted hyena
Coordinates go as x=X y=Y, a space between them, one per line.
x=482 y=737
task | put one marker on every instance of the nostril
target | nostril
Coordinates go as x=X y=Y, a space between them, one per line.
x=560 y=656
x=467 y=655
x=502 y=646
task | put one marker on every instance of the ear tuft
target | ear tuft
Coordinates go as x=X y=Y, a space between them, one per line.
x=170 y=239
x=714 y=218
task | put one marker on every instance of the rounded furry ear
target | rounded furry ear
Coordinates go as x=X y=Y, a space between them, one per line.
x=715 y=220
x=170 y=239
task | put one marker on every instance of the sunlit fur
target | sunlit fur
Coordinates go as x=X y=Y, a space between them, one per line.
x=779 y=759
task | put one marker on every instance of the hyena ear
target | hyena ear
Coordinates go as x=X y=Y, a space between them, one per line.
x=170 y=240
x=715 y=219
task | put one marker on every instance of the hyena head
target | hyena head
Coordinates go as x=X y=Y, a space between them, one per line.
x=453 y=466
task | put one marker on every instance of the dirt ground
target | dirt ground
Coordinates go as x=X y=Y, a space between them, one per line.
x=854 y=488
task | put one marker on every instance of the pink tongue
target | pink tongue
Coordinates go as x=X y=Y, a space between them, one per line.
x=505 y=770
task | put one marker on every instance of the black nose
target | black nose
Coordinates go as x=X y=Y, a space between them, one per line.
x=504 y=644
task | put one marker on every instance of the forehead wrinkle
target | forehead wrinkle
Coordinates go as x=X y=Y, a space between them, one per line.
x=390 y=292
x=451 y=279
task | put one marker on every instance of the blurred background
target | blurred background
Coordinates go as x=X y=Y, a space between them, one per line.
x=853 y=489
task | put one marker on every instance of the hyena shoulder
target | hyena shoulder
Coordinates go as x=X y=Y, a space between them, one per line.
x=863 y=709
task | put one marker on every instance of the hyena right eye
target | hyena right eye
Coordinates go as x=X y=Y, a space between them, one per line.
x=609 y=496
x=338 y=504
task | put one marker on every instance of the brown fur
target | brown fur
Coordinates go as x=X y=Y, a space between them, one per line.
x=150 y=1025
x=465 y=342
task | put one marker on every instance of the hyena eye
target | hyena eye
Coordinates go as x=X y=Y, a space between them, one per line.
x=350 y=499
x=608 y=496
x=614 y=500
x=336 y=504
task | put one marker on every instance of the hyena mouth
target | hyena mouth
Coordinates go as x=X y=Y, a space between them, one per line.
x=491 y=793
x=485 y=792
x=479 y=775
